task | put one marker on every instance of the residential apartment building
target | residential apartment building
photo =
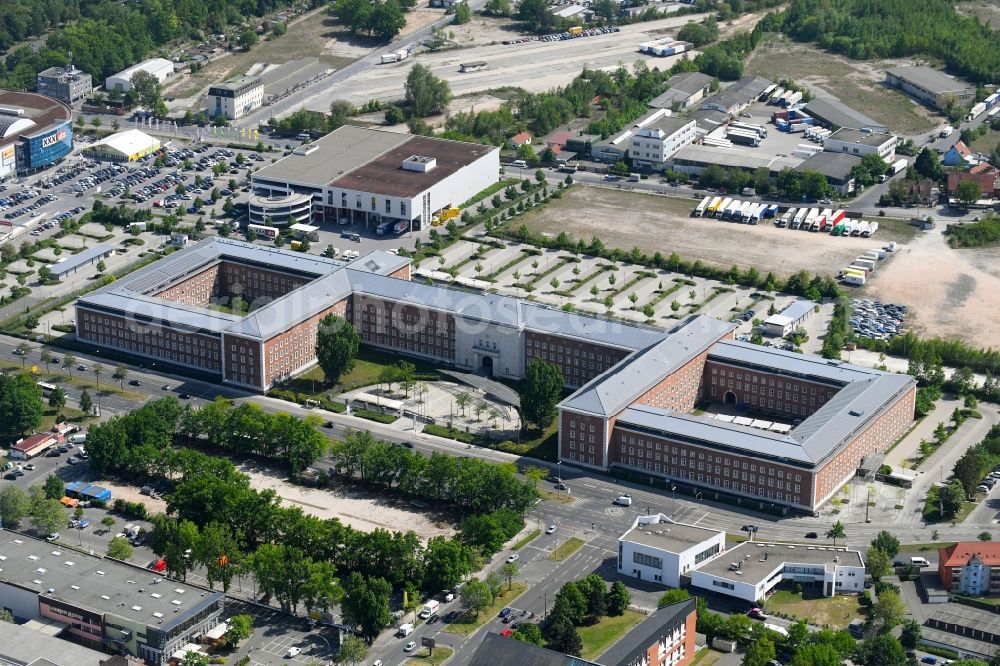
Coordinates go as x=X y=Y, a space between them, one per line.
x=971 y=568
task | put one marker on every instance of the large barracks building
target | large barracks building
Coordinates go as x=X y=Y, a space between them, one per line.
x=637 y=387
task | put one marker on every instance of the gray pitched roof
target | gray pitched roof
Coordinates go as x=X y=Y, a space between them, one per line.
x=633 y=646
x=617 y=388
x=295 y=306
x=76 y=260
x=495 y=650
x=159 y=311
x=805 y=366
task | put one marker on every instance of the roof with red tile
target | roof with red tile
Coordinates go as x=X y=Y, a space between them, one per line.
x=960 y=554
x=962 y=149
x=33 y=442
x=520 y=137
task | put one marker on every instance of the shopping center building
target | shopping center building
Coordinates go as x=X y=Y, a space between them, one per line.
x=35 y=132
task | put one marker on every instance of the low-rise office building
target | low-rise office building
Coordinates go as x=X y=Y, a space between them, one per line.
x=856 y=142
x=653 y=143
x=932 y=87
x=66 y=84
x=785 y=322
x=104 y=604
x=971 y=568
x=235 y=98
x=750 y=570
x=658 y=550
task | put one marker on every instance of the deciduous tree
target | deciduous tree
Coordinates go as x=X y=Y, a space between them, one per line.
x=337 y=345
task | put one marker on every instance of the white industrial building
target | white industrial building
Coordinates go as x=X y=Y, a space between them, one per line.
x=235 y=98
x=374 y=176
x=750 y=570
x=785 y=322
x=855 y=142
x=161 y=68
x=657 y=141
x=659 y=550
x=125 y=146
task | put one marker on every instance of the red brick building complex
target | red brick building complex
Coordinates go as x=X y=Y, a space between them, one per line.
x=638 y=416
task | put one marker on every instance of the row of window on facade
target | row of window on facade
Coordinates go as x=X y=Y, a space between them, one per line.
x=358 y=203
x=716 y=481
x=575 y=351
x=582 y=458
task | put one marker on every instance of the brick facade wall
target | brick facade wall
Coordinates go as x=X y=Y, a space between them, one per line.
x=876 y=438
x=581 y=438
x=243 y=360
x=580 y=361
x=150 y=340
x=199 y=289
x=728 y=472
x=407 y=328
x=295 y=348
x=253 y=283
x=680 y=390
x=764 y=392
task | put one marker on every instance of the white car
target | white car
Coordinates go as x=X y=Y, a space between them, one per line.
x=293 y=652
x=513 y=558
x=409 y=647
x=552 y=528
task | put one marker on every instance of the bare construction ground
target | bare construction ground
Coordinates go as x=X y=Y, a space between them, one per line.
x=362 y=511
x=655 y=223
x=951 y=293
x=856 y=83
x=988 y=11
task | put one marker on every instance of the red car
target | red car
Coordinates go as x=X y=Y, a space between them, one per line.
x=506 y=633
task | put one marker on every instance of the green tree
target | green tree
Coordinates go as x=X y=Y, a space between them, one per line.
x=887 y=543
x=535 y=14
x=108 y=522
x=967 y=192
x=240 y=627
x=562 y=636
x=352 y=650
x=529 y=633
x=119 y=548
x=446 y=563
x=880 y=650
x=462 y=13
x=193 y=658
x=509 y=571
x=120 y=374
x=879 y=563
x=673 y=596
x=985 y=536
x=816 y=654
x=146 y=90
x=836 y=532
x=424 y=93
x=476 y=596
x=15 y=505
x=47 y=516
x=337 y=345
x=386 y=20
x=247 y=39
x=394 y=115
x=86 y=402
x=928 y=164
x=910 y=635
x=951 y=498
x=20 y=404
x=889 y=609
x=542 y=390
x=759 y=652
x=618 y=598
x=570 y=603
x=54 y=487
x=366 y=604
x=57 y=399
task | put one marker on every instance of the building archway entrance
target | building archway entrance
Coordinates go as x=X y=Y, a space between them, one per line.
x=729 y=398
x=487 y=366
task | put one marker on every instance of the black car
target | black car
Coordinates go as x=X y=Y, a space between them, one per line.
x=328 y=424
x=54 y=453
x=450 y=617
x=812 y=535
x=184 y=396
x=408 y=445
x=433 y=618
x=10 y=476
x=135 y=382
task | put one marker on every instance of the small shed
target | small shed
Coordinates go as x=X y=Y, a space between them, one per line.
x=785 y=322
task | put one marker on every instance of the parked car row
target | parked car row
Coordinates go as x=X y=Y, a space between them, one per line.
x=876 y=320
x=991 y=480
x=14 y=214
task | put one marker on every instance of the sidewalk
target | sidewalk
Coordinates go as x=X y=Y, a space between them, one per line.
x=909 y=448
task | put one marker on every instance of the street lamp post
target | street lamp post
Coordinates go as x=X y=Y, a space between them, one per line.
x=673 y=492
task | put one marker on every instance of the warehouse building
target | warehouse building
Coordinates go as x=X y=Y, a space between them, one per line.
x=161 y=69
x=683 y=91
x=835 y=166
x=36 y=644
x=750 y=570
x=66 y=84
x=36 y=132
x=125 y=146
x=933 y=88
x=855 y=142
x=235 y=98
x=104 y=604
x=739 y=95
x=785 y=322
x=73 y=263
x=834 y=114
x=659 y=550
x=375 y=176
x=971 y=632
x=695 y=158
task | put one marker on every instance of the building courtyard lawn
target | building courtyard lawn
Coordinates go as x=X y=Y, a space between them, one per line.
x=468 y=621
x=367 y=368
x=598 y=637
x=837 y=611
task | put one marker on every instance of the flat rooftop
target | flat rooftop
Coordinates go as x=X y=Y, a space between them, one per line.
x=765 y=558
x=21 y=645
x=929 y=79
x=863 y=138
x=98 y=584
x=76 y=260
x=43 y=111
x=668 y=536
x=832 y=165
x=733 y=157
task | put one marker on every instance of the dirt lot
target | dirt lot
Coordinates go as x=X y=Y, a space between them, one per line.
x=856 y=83
x=132 y=494
x=313 y=35
x=665 y=224
x=987 y=11
x=361 y=511
x=951 y=293
x=483 y=30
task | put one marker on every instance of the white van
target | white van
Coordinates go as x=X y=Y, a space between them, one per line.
x=78 y=438
x=404 y=630
x=624 y=500
x=919 y=562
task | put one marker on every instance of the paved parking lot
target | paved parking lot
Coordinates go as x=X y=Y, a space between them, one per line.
x=275 y=632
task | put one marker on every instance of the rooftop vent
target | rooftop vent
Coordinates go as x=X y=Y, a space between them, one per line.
x=137 y=608
x=855 y=412
x=57 y=553
x=51 y=590
x=40 y=570
x=69 y=563
x=105 y=597
x=100 y=573
x=157 y=614
x=306 y=149
x=74 y=587
x=33 y=558
x=419 y=163
x=156 y=595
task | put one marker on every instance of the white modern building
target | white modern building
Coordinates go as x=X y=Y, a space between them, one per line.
x=659 y=550
x=280 y=210
x=125 y=146
x=235 y=98
x=374 y=176
x=785 y=322
x=750 y=570
x=161 y=68
x=656 y=142
x=856 y=142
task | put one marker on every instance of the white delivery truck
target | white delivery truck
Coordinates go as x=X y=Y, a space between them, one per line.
x=429 y=609
x=404 y=630
x=623 y=500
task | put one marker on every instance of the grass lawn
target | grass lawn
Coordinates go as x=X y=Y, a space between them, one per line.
x=81 y=379
x=370 y=363
x=542 y=446
x=526 y=540
x=560 y=496
x=987 y=142
x=706 y=657
x=597 y=638
x=565 y=549
x=900 y=230
x=932 y=509
x=468 y=622
x=934 y=546
x=837 y=612
x=440 y=655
